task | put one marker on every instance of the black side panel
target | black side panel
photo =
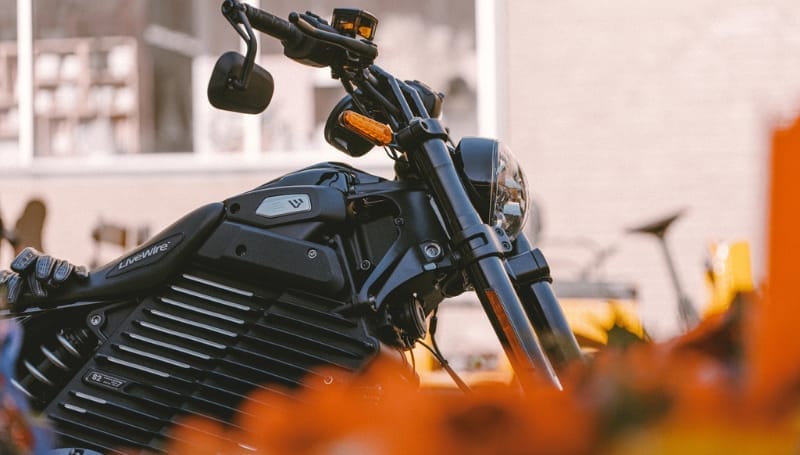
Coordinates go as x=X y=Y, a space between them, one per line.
x=199 y=347
x=150 y=265
x=283 y=261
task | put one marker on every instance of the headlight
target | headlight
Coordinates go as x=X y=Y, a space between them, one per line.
x=509 y=197
x=495 y=182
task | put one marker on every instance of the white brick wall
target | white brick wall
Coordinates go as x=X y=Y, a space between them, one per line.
x=627 y=110
x=622 y=111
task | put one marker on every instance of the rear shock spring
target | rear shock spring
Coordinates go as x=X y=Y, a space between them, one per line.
x=43 y=373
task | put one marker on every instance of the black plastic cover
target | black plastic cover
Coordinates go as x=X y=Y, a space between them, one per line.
x=475 y=159
x=336 y=175
x=285 y=261
x=430 y=98
x=340 y=137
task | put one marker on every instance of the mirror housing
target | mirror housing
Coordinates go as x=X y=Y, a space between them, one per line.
x=340 y=137
x=253 y=98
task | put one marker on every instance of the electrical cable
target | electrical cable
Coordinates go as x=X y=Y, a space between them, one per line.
x=437 y=354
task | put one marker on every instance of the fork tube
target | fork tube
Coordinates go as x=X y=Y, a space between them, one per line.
x=479 y=246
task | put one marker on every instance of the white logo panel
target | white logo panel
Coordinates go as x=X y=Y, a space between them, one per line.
x=287 y=204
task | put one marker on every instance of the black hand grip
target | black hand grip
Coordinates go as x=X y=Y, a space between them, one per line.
x=273 y=25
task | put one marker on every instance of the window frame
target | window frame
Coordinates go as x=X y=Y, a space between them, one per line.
x=490 y=107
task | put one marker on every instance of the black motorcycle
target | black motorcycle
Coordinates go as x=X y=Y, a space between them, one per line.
x=327 y=266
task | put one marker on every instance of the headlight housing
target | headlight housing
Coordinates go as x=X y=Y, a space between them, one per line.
x=495 y=182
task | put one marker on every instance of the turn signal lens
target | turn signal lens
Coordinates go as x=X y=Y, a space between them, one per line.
x=354 y=22
x=371 y=130
x=366 y=31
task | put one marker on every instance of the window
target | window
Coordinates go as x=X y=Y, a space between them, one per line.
x=9 y=105
x=124 y=81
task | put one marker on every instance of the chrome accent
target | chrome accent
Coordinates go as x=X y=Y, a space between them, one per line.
x=173 y=347
x=136 y=366
x=37 y=374
x=53 y=358
x=72 y=407
x=68 y=345
x=209 y=298
x=90 y=398
x=185 y=336
x=213 y=314
x=189 y=322
x=152 y=356
x=214 y=284
x=19 y=387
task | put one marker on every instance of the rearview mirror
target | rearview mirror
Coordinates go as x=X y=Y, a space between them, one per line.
x=252 y=99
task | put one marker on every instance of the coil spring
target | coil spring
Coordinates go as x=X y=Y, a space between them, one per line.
x=60 y=358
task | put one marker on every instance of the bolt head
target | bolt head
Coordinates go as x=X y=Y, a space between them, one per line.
x=433 y=250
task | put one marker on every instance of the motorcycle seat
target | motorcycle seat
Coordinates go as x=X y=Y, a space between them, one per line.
x=145 y=268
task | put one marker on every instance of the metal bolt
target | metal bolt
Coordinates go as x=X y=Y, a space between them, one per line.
x=328 y=380
x=433 y=250
x=365 y=265
x=95 y=320
x=506 y=246
x=312 y=253
x=399 y=222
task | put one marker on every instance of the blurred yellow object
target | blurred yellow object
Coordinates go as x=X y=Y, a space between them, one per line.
x=592 y=319
x=729 y=273
x=599 y=313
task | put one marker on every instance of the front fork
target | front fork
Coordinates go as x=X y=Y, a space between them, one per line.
x=517 y=301
x=530 y=274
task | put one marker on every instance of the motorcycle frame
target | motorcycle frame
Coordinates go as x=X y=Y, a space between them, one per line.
x=423 y=142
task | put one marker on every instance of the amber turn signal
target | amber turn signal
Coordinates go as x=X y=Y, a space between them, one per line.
x=354 y=22
x=372 y=130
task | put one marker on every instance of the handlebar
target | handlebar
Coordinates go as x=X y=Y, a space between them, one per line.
x=305 y=37
x=362 y=48
x=273 y=25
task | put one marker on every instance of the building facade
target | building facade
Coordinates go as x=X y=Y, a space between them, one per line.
x=621 y=112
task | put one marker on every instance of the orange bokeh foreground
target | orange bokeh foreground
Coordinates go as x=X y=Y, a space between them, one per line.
x=730 y=385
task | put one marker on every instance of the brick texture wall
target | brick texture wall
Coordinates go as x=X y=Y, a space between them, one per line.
x=625 y=111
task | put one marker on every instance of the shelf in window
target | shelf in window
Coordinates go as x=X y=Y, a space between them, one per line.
x=60 y=114
x=119 y=114
x=54 y=83
x=109 y=79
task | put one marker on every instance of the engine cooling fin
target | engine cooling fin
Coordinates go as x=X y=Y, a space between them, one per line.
x=199 y=347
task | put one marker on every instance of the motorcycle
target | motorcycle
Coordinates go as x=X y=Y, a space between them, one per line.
x=327 y=266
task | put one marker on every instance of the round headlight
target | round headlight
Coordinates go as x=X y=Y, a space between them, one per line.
x=495 y=182
x=509 y=197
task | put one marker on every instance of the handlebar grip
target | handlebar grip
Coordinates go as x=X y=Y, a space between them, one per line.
x=273 y=25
